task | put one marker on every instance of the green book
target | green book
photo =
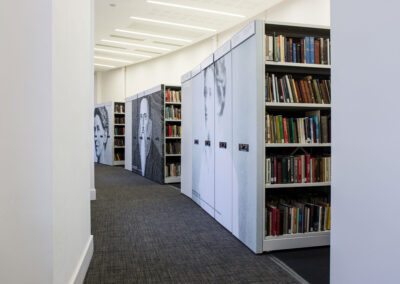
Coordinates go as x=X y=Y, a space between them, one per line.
x=282 y=135
x=292 y=136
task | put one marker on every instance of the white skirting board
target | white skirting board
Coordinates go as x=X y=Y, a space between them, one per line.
x=92 y=194
x=83 y=265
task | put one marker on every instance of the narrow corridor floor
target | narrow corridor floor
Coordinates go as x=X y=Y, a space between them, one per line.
x=145 y=232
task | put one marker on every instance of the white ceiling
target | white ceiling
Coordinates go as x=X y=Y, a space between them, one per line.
x=115 y=14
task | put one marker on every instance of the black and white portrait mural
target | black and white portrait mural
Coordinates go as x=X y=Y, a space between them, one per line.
x=223 y=134
x=147 y=151
x=206 y=181
x=102 y=134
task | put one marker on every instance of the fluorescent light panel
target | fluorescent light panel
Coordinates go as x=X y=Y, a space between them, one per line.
x=173 y=24
x=195 y=9
x=135 y=44
x=152 y=35
x=113 y=59
x=121 y=52
x=104 y=65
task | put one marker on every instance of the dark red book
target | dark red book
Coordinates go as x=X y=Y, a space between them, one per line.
x=316 y=51
x=308 y=168
x=277 y=222
x=279 y=177
x=304 y=91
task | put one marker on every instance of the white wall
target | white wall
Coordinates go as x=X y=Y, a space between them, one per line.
x=110 y=86
x=26 y=241
x=166 y=69
x=46 y=91
x=316 y=12
x=72 y=133
x=365 y=162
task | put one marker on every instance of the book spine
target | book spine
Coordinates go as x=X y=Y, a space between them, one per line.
x=285 y=130
x=312 y=52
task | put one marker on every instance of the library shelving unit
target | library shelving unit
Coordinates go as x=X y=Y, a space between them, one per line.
x=172 y=126
x=226 y=153
x=119 y=134
x=309 y=239
x=109 y=134
x=161 y=129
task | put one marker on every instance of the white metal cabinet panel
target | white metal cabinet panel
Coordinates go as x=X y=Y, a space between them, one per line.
x=248 y=117
x=206 y=105
x=197 y=84
x=186 y=140
x=223 y=141
x=128 y=135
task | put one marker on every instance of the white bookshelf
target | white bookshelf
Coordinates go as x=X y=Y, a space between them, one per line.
x=294 y=241
x=301 y=65
x=173 y=179
x=296 y=145
x=295 y=185
x=297 y=106
x=171 y=158
x=172 y=120
x=301 y=240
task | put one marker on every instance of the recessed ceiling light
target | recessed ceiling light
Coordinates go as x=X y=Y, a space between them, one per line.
x=196 y=9
x=113 y=59
x=153 y=35
x=173 y=24
x=104 y=65
x=135 y=44
x=121 y=52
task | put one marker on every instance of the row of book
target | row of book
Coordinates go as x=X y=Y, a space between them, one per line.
x=280 y=169
x=172 y=112
x=119 y=108
x=119 y=156
x=297 y=217
x=173 y=170
x=173 y=131
x=120 y=142
x=119 y=130
x=304 y=130
x=172 y=96
x=310 y=50
x=286 y=89
x=173 y=147
x=119 y=120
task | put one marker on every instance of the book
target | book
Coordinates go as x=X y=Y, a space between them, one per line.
x=313 y=128
x=297 y=169
x=308 y=49
x=289 y=89
x=297 y=216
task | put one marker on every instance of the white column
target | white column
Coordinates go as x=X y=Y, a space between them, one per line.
x=366 y=138
x=46 y=103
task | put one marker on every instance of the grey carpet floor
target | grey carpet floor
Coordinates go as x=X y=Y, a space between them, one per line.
x=150 y=233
